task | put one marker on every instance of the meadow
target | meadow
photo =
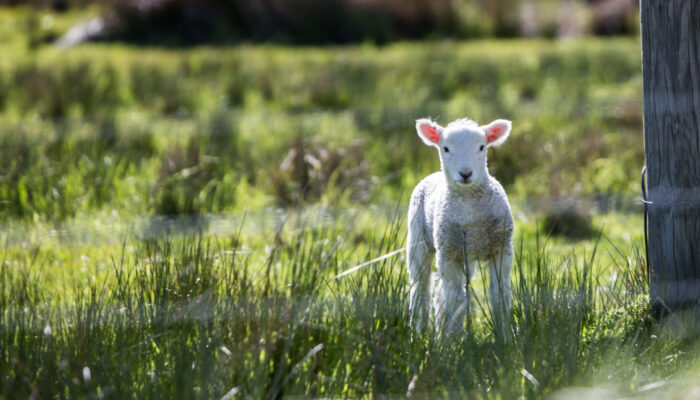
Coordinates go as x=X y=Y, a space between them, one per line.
x=173 y=221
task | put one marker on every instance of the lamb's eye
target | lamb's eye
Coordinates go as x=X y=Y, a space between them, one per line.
x=446 y=149
x=481 y=148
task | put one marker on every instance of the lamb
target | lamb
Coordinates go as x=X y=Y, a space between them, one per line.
x=457 y=213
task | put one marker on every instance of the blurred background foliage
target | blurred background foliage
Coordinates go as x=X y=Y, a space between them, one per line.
x=205 y=129
x=149 y=124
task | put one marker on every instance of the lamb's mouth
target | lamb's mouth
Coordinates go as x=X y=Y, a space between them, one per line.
x=464 y=182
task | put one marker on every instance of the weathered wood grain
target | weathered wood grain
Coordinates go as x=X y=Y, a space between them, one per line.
x=671 y=73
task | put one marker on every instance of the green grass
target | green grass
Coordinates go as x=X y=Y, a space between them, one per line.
x=176 y=218
x=196 y=316
x=208 y=130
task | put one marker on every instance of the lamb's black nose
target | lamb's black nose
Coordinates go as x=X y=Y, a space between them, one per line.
x=465 y=175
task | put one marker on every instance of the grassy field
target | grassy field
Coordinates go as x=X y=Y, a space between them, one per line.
x=172 y=221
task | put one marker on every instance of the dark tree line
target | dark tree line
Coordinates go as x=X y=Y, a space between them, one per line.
x=183 y=22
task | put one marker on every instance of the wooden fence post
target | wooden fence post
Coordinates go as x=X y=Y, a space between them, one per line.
x=671 y=74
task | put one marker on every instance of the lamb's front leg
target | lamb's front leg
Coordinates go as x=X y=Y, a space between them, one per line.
x=500 y=265
x=452 y=307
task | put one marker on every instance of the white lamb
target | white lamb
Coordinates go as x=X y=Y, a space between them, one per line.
x=460 y=211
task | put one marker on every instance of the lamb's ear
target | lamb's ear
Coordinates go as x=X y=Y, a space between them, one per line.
x=497 y=132
x=429 y=131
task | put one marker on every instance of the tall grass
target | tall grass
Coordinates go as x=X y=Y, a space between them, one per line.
x=198 y=317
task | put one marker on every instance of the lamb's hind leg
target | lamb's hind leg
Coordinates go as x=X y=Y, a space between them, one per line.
x=499 y=289
x=419 y=256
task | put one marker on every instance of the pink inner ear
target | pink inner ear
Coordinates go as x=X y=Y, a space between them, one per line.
x=494 y=133
x=430 y=133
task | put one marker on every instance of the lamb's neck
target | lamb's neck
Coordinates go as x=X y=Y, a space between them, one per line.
x=469 y=194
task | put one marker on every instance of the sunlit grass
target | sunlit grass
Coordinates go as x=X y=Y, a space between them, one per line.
x=186 y=315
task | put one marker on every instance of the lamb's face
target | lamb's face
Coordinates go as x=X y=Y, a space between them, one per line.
x=462 y=147
x=463 y=155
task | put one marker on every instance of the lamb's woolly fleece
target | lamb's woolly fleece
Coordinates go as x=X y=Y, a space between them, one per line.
x=441 y=214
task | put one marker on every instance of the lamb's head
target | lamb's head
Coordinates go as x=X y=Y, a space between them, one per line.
x=462 y=147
